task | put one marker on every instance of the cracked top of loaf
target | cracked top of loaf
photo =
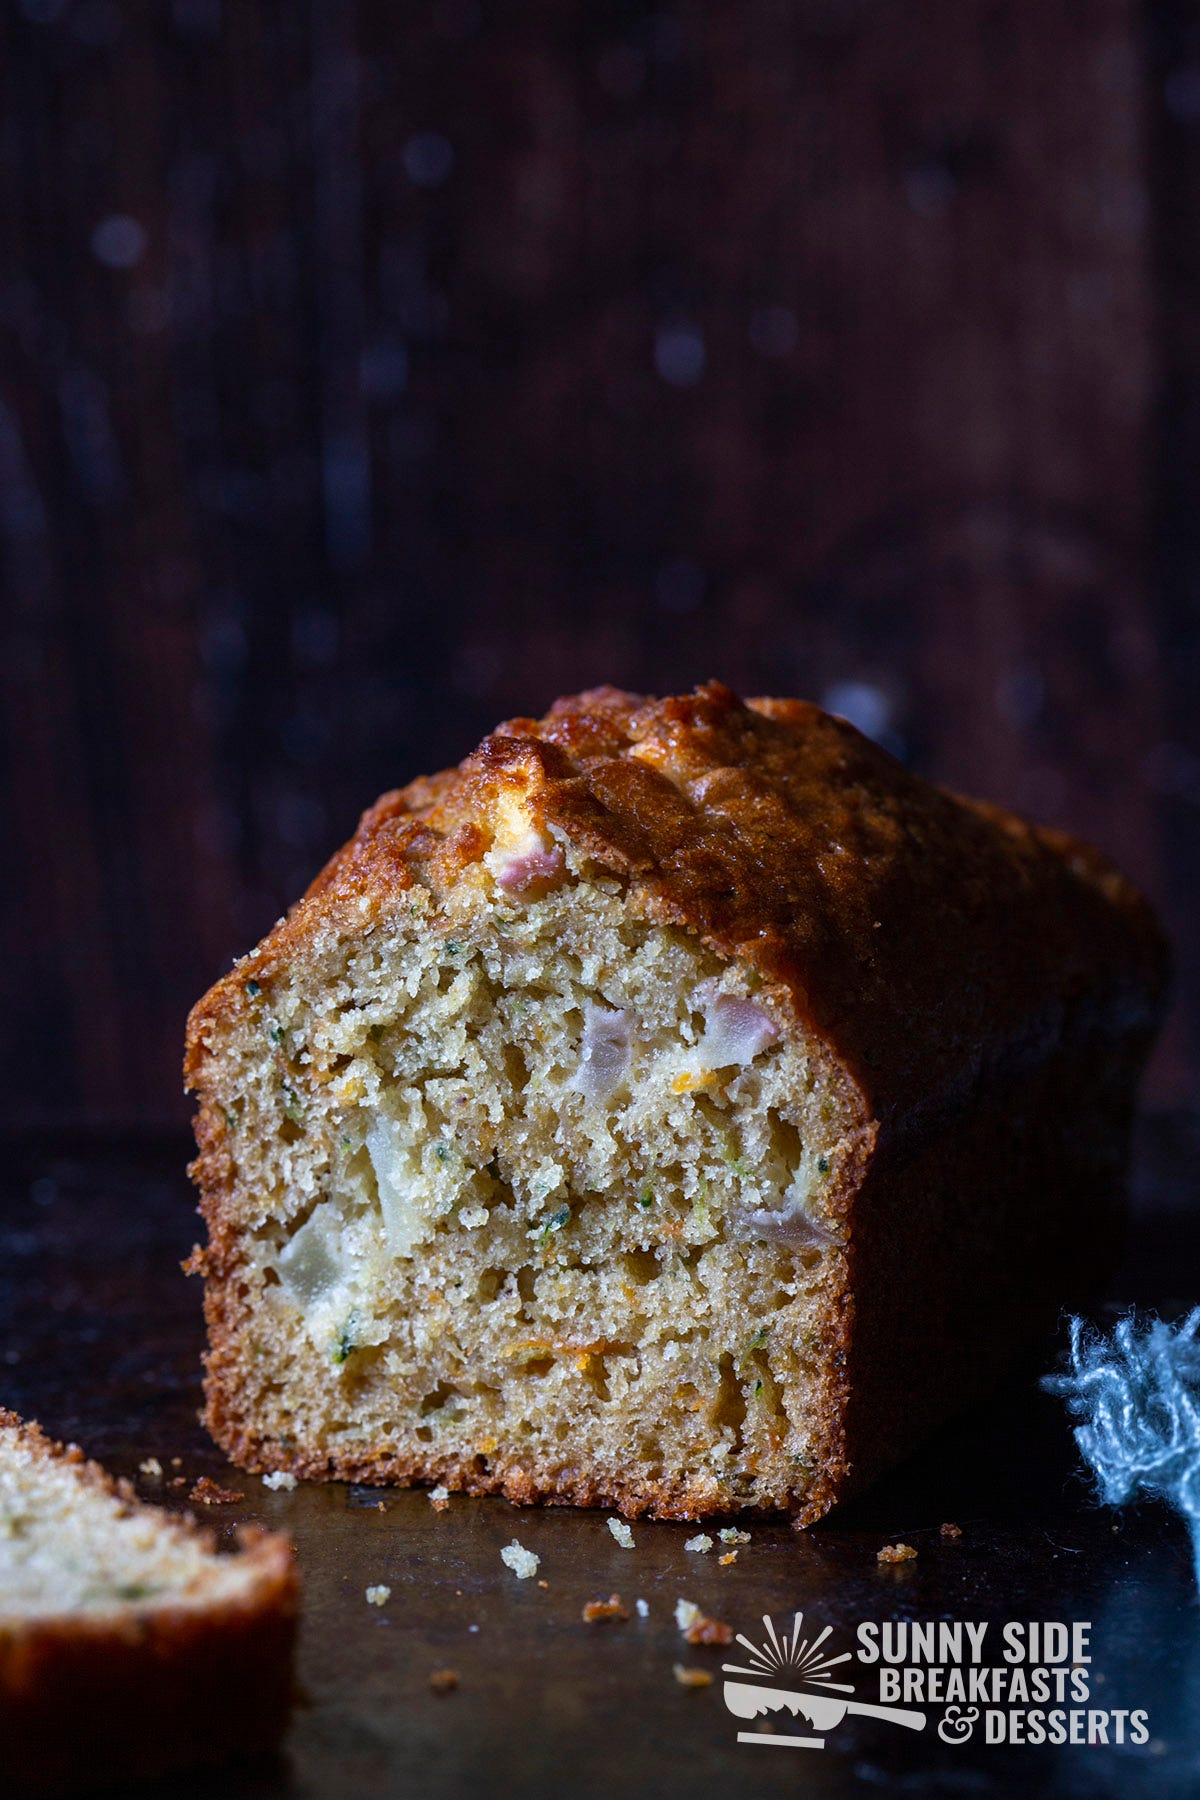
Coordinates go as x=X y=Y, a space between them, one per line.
x=932 y=941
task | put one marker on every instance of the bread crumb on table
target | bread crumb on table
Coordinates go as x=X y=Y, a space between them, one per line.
x=444 y=1681
x=700 y=1543
x=378 y=1596
x=643 y=1608
x=895 y=1553
x=729 y=1534
x=279 y=1481
x=622 y=1533
x=208 y=1493
x=698 y=1628
x=730 y=1556
x=706 y=1630
x=522 y=1562
x=692 y=1678
x=597 y=1610
x=439 y=1498
x=151 y=1467
x=951 y=1531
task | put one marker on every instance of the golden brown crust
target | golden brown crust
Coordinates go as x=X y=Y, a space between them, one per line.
x=947 y=953
x=149 y=1688
x=931 y=940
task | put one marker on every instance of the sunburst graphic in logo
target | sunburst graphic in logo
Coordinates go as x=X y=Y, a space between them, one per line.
x=777 y=1654
x=803 y=1659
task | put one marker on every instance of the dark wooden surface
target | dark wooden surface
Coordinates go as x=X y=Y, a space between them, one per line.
x=370 y=373
x=100 y=1337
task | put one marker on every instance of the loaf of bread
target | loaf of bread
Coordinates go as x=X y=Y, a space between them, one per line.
x=679 y=1107
x=128 y=1646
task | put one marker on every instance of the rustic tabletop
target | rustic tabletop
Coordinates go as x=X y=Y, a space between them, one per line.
x=100 y=1338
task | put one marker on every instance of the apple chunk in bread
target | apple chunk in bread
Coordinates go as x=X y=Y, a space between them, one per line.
x=529 y=1158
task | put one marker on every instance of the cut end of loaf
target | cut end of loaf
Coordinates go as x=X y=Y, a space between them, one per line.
x=512 y=1187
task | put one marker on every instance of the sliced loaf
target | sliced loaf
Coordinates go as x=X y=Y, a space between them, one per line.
x=681 y=1106
x=128 y=1645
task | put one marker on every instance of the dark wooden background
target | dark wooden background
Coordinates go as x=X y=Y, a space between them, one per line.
x=371 y=371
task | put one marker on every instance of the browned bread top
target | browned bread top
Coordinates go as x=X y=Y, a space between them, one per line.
x=932 y=940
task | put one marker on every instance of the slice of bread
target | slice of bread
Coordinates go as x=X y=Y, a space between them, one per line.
x=128 y=1645
x=680 y=1106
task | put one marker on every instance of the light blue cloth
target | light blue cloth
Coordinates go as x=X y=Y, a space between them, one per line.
x=1138 y=1394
